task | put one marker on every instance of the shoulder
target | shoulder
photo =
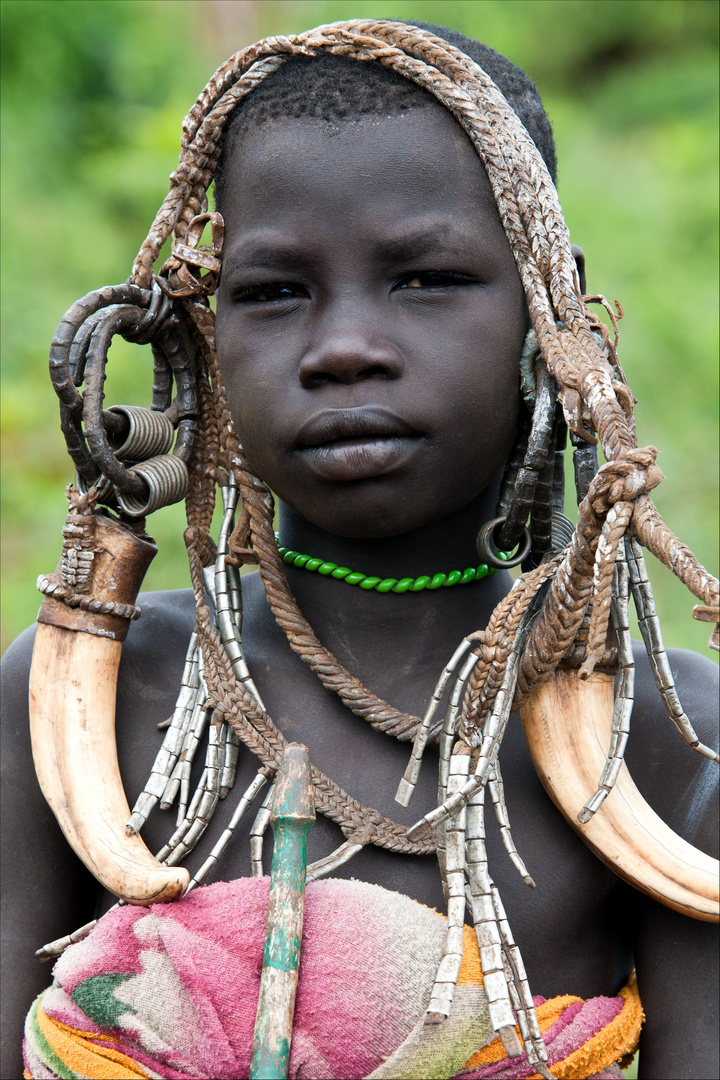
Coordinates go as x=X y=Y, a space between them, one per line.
x=154 y=641
x=679 y=783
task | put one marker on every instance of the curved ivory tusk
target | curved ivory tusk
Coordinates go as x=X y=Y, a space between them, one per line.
x=567 y=726
x=73 y=681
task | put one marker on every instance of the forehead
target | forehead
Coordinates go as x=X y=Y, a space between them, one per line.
x=416 y=164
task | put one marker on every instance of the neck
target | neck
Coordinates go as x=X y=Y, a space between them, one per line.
x=373 y=633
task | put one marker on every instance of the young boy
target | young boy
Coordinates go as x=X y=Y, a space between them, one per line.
x=370 y=320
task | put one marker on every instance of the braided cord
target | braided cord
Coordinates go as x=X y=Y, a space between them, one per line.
x=574 y=346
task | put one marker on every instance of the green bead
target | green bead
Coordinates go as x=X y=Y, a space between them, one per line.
x=468 y=575
x=420 y=583
x=354 y=578
x=312 y=564
x=481 y=571
x=387 y=584
x=503 y=555
x=281 y=551
x=437 y=581
x=300 y=560
x=370 y=582
x=289 y=556
x=493 y=570
x=403 y=585
x=453 y=578
x=327 y=568
x=341 y=572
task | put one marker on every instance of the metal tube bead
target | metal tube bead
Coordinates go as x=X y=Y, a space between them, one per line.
x=486 y=929
x=190 y=745
x=409 y=780
x=449 y=968
x=235 y=594
x=184 y=826
x=166 y=759
x=622 y=710
x=258 y=832
x=652 y=636
x=56 y=948
x=232 y=750
x=199 y=824
x=246 y=800
x=331 y=862
x=532 y=1037
x=497 y=794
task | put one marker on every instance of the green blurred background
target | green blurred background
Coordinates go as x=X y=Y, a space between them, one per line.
x=93 y=94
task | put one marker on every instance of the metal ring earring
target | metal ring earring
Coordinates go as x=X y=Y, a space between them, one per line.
x=488 y=547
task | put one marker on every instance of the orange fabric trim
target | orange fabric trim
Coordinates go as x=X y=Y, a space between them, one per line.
x=470 y=973
x=614 y=1041
x=610 y=1044
x=86 y=1059
x=547 y=1014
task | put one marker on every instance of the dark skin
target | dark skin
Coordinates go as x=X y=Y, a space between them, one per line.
x=385 y=289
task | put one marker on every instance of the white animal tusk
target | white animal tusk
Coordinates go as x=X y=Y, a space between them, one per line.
x=568 y=727
x=73 y=681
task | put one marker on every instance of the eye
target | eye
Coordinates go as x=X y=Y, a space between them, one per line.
x=269 y=292
x=434 y=279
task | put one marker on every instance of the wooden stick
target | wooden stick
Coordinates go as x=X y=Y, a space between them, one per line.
x=292 y=815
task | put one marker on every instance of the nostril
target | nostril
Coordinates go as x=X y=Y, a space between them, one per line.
x=349 y=358
x=376 y=371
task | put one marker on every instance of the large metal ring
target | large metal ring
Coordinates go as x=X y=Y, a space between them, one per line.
x=167 y=480
x=487 y=546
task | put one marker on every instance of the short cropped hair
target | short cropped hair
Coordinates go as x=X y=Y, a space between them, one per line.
x=341 y=89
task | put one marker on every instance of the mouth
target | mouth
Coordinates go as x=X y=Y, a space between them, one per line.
x=356 y=444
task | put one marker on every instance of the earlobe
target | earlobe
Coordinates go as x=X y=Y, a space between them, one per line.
x=579 y=257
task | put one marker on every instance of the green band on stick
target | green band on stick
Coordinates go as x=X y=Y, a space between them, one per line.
x=293 y=812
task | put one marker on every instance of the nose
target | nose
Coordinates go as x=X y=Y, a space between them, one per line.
x=348 y=353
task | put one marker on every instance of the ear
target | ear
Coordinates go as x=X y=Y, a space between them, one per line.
x=579 y=257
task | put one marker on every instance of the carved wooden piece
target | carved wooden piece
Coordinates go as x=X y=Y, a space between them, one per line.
x=567 y=726
x=293 y=812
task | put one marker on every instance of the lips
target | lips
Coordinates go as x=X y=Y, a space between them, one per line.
x=356 y=444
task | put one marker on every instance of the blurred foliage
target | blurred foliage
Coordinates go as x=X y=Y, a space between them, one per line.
x=93 y=94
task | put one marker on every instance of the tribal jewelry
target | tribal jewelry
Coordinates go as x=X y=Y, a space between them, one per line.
x=386 y=585
x=576 y=582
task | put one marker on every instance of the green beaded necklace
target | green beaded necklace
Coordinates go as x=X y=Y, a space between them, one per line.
x=386 y=585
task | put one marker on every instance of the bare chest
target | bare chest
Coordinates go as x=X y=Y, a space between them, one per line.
x=570 y=928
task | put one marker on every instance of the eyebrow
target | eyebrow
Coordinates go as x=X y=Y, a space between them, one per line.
x=268 y=254
x=417 y=242
x=265 y=254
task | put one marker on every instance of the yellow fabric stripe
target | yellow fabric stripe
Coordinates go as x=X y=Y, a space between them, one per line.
x=470 y=970
x=613 y=1042
x=84 y=1058
x=547 y=1014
